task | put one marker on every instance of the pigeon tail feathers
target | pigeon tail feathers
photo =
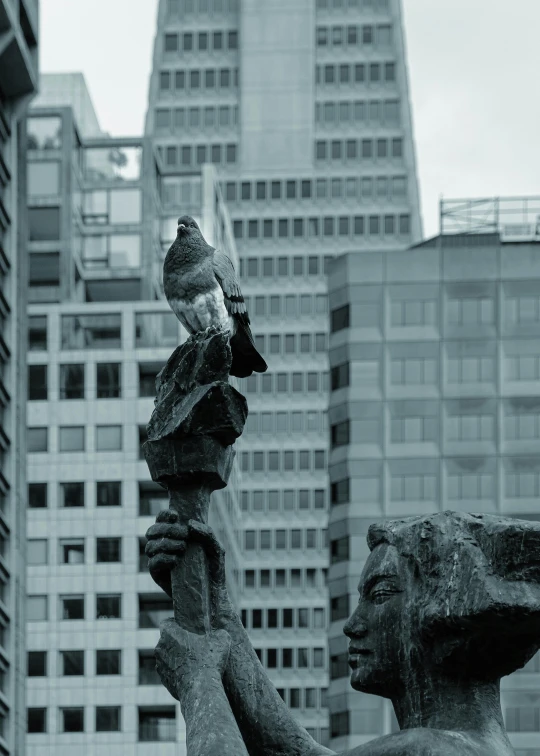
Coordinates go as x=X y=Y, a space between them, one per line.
x=245 y=357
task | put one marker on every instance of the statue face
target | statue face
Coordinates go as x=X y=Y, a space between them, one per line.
x=376 y=628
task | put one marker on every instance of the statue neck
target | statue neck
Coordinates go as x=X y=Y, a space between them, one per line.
x=446 y=704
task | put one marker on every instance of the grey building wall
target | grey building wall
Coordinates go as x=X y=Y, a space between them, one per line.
x=434 y=405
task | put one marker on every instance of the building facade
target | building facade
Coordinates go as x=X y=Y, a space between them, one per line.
x=99 y=332
x=435 y=405
x=18 y=84
x=303 y=108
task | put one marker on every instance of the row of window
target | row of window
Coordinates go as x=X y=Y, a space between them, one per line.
x=187 y=155
x=284 y=619
x=283 y=383
x=107 y=662
x=354 y=35
x=352 y=187
x=210 y=116
x=72 y=381
x=72 y=550
x=520 y=424
x=359 y=149
x=345 y=113
x=280 y=539
x=302 y=698
x=305 y=460
x=289 y=305
x=370 y=6
x=292 y=658
x=289 y=343
x=309 y=577
x=286 y=422
x=72 y=438
x=156 y=724
x=196 y=80
x=460 y=311
x=285 y=267
x=329 y=226
x=153 y=608
x=203 y=41
x=288 y=500
x=180 y=8
x=356 y=73
x=104 y=331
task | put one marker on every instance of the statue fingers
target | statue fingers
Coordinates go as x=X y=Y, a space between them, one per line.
x=167 y=530
x=157 y=546
x=167 y=515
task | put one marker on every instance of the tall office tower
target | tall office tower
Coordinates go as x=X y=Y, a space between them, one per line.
x=303 y=108
x=435 y=405
x=18 y=84
x=98 y=335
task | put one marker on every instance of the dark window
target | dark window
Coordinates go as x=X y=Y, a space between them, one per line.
x=231 y=153
x=72 y=607
x=157 y=724
x=390 y=71
x=108 y=662
x=340 y=434
x=340 y=492
x=44 y=223
x=339 y=666
x=108 y=607
x=109 y=494
x=188 y=41
x=339 y=550
x=37 y=439
x=276 y=189
x=339 y=608
x=36 y=720
x=358 y=225
x=73 y=720
x=233 y=40
x=108 y=550
x=218 y=40
x=203 y=40
x=339 y=724
x=164 y=80
x=107 y=719
x=340 y=318
x=153 y=608
x=107 y=380
x=72 y=662
x=37 y=495
x=147 y=669
x=339 y=376
x=72 y=494
x=404 y=224
x=71 y=381
x=44 y=269
x=37 y=332
x=171 y=42
x=37 y=664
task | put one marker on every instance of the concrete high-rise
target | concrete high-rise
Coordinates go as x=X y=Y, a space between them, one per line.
x=435 y=405
x=303 y=108
x=99 y=332
x=18 y=84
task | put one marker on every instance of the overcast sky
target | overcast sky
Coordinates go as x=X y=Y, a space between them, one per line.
x=473 y=68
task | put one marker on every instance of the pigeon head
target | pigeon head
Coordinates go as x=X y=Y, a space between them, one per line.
x=187 y=226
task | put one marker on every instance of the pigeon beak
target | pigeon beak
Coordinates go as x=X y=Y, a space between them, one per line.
x=181 y=227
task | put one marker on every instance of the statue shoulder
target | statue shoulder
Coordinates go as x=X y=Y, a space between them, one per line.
x=422 y=742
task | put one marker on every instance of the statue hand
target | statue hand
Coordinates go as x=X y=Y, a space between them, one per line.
x=166 y=544
x=183 y=657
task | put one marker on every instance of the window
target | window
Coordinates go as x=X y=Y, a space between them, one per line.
x=36 y=608
x=37 y=382
x=37 y=332
x=339 y=376
x=340 y=434
x=72 y=719
x=37 y=664
x=339 y=724
x=44 y=269
x=37 y=495
x=470 y=369
x=36 y=719
x=413 y=372
x=107 y=718
x=108 y=550
x=147 y=669
x=157 y=724
x=413 y=487
x=107 y=380
x=108 y=662
x=71 y=438
x=44 y=223
x=37 y=439
x=108 y=607
x=108 y=438
x=72 y=662
x=340 y=318
x=71 y=495
x=339 y=550
x=91 y=331
x=72 y=607
x=109 y=494
x=470 y=486
x=153 y=608
x=44 y=133
x=339 y=666
x=72 y=551
x=71 y=381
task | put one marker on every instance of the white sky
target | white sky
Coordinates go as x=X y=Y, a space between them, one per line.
x=473 y=68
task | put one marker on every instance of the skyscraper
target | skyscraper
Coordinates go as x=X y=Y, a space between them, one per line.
x=303 y=108
x=435 y=405
x=18 y=84
x=98 y=334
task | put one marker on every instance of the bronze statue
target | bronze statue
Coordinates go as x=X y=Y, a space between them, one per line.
x=448 y=604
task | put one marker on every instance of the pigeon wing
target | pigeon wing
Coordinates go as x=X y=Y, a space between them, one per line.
x=226 y=275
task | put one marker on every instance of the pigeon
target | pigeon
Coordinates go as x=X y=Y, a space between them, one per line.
x=202 y=290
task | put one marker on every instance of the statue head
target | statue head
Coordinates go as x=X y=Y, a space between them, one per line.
x=450 y=594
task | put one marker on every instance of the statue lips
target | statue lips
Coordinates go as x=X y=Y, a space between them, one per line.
x=355 y=653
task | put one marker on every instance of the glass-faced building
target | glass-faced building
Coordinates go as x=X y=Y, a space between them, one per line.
x=303 y=109
x=434 y=405
x=19 y=27
x=98 y=333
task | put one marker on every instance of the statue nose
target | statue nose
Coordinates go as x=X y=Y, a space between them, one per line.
x=355 y=627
